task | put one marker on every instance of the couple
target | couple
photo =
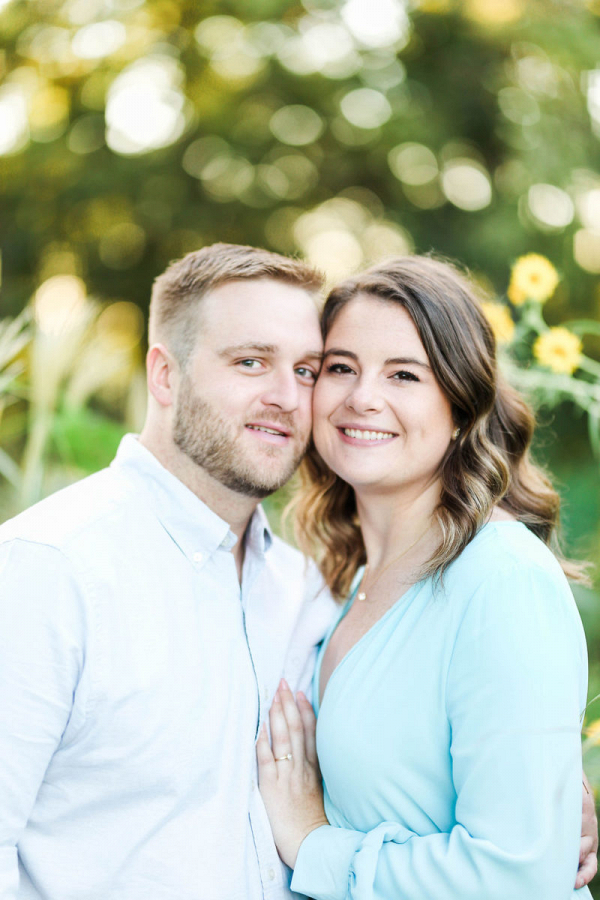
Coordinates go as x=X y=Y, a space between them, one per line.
x=147 y=615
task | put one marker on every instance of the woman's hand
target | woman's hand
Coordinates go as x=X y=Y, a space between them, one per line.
x=588 y=862
x=288 y=775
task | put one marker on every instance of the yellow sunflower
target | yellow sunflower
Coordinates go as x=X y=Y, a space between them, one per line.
x=533 y=277
x=559 y=349
x=500 y=319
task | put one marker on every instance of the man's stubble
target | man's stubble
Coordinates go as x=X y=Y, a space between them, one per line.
x=213 y=443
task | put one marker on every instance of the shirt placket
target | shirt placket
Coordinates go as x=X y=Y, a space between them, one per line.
x=272 y=872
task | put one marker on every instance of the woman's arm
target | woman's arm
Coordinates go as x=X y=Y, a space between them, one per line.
x=289 y=776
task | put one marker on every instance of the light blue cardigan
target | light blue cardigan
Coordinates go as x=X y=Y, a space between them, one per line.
x=449 y=739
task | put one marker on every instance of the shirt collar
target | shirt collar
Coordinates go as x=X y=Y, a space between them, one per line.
x=259 y=536
x=195 y=528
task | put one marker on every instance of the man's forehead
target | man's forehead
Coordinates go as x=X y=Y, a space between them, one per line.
x=260 y=314
x=244 y=298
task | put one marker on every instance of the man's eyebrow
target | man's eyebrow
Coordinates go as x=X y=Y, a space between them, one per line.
x=270 y=349
x=246 y=348
x=392 y=360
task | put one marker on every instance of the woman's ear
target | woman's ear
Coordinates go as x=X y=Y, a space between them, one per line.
x=161 y=374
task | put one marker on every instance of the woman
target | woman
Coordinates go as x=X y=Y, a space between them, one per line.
x=450 y=690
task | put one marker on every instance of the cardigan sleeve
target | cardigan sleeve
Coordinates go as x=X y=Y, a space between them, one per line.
x=515 y=691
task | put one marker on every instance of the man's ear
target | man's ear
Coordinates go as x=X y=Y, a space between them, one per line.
x=161 y=374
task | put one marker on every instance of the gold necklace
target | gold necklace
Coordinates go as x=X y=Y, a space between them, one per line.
x=362 y=595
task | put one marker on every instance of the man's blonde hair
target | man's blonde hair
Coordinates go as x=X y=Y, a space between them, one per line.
x=176 y=294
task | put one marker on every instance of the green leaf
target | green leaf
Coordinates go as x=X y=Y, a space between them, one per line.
x=9 y=469
x=85 y=438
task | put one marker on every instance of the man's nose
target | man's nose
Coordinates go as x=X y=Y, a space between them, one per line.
x=283 y=391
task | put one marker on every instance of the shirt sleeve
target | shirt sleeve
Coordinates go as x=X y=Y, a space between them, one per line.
x=515 y=693
x=41 y=657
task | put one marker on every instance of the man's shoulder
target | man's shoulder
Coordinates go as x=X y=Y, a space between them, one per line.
x=58 y=519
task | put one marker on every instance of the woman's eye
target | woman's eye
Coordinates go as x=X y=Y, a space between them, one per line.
x=404 y=375
x=338 y=368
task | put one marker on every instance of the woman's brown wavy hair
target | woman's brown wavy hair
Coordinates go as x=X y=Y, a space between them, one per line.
x=488 y=464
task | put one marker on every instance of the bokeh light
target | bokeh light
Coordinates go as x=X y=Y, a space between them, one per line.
x=586 y=249
x=341 y=234
x=296 y=125
x=377 y=23
x=99 y=39
x=145 y=107
x=550 y=207
x=366 y=108
x=59 y=303
x=413 y=163
x=14 y=121
x=467 y=184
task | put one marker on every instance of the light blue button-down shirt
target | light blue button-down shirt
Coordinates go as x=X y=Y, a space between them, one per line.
x=134 y=673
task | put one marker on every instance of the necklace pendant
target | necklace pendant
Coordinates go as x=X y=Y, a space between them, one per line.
x=361 y=596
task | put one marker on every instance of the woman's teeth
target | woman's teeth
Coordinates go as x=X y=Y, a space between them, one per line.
x=367 y=435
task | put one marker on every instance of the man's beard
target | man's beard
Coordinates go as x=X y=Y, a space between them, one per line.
x=211 y=442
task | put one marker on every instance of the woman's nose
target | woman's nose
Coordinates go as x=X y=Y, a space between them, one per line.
x=364 y=398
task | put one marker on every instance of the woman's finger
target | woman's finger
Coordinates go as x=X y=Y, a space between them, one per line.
x=587 y=870
x=309 y=723
x=585 y=848
x=264 y=755
x=294 y=721
x=280 y=735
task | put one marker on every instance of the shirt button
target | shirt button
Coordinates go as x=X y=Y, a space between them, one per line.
x=266 y=693
x=271 y=874
x=253 y=785
x=198 y=557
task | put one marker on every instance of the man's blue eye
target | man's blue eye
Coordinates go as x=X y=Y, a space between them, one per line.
x=306 y=373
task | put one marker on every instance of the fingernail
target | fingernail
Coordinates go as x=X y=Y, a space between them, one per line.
x=284 y=684
x=301 y=695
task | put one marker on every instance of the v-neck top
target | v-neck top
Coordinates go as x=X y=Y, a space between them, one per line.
x=449 y=738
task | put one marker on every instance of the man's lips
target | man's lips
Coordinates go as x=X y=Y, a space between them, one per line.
x=270 y=432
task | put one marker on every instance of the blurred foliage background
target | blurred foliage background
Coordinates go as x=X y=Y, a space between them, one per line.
x=133 y=131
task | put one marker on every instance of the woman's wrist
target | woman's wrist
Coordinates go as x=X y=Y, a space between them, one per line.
x=307 y=831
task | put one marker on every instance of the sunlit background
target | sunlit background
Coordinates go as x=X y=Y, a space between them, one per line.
x=133 y=131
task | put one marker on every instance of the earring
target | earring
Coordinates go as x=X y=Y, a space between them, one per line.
x=455 y=433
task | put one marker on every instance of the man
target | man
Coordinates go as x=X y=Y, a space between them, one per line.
x=147 y=612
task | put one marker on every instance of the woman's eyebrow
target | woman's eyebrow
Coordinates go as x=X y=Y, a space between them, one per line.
x=335 y=352
x=407 y=361
x=393 y=360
